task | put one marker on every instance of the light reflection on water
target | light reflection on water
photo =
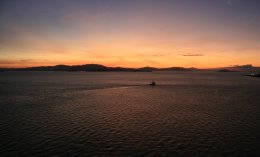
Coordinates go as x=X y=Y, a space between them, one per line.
x=117 y=114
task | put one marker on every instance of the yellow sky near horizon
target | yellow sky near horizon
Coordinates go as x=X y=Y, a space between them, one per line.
x=130 y=34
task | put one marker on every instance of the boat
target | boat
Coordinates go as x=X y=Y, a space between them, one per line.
x=254 y=75
x=152 y=83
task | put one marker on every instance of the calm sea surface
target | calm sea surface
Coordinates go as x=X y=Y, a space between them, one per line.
x=117 y=114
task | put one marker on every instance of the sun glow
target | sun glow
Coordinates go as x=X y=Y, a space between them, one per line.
x=159 y=34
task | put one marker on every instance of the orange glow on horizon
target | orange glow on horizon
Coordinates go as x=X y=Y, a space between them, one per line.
x=127 y=34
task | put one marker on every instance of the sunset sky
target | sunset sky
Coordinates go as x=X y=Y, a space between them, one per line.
x=130 y=33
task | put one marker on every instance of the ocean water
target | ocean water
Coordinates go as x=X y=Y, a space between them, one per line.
x=118 y=114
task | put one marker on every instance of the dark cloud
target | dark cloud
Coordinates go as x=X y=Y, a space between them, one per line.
x=192 y=55
x=6 y=62
x=32 y=60
x=26 y=60
x=159 y=55
x=153 y=55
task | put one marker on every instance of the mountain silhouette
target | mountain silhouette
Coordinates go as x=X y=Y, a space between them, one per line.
x=95 y=67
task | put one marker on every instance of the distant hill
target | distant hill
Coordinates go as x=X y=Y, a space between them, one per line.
x=240 y=68
x=177 y=69
x=226 y=70
x=95 y=67
x=98 y=67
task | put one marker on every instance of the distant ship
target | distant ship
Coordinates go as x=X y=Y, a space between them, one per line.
x=254 y=75
x=152 y=83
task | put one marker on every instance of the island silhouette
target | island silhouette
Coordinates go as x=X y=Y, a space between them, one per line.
x=102 y=68
x=95 y=67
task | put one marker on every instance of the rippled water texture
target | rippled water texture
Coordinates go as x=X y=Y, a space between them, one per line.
x=117 y=114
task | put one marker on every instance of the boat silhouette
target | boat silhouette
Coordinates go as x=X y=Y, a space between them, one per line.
x=254 y=75
x=152 y=83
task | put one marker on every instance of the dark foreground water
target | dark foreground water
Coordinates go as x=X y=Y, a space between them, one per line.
x=116 y=114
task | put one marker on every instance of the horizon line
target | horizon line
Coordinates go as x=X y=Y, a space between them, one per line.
x=230 y=66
